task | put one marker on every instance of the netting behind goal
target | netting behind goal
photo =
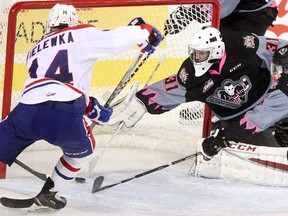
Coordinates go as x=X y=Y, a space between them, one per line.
x=22 y=24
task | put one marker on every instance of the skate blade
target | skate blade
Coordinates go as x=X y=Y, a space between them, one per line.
x=41 y=209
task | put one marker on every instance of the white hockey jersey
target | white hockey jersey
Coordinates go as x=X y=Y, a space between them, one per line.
x=60 y=64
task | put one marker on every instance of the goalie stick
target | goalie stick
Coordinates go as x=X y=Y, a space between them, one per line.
x=163 y=57
x=98 y=181
x=124 y=81
x=129 y=74
x=121 y=85
x=128 y=77
x=93 y=162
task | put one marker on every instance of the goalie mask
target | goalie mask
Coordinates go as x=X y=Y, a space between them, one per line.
x=62 y=15
x=280 y=61
x=205 y=48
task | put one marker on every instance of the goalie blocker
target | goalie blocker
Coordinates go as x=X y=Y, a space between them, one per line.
x=128 y=110
x=240 y=161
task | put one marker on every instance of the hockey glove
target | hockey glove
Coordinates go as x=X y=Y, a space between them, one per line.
x=130 y=110
x=213 y=144
x=182 y=16
x=97 y=113
x=154 y=38
x=281 y=133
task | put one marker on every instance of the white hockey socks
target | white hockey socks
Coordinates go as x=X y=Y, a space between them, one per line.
x=65 y=170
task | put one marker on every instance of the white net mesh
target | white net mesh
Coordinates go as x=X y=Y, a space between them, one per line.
x=180 y=126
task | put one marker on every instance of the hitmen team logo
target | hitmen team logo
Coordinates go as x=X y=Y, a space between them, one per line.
x=231 y=94
x=249 y=41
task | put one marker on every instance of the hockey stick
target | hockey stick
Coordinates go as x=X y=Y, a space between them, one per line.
x=163 y=57
x=96 y=184
x=125 y=79
x=42 y=176
x=121 y=85
x=93 y=162
x=129 y=74
x=123 y=82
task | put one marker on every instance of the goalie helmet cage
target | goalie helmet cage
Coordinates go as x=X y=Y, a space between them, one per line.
x=23 y=23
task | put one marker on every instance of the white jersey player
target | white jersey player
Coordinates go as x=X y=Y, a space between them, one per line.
x=68 y=56
x=56 y=96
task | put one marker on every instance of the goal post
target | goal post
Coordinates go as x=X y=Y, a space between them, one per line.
x=22 y=24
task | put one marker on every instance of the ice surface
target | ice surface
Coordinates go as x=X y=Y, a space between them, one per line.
x=170 y=191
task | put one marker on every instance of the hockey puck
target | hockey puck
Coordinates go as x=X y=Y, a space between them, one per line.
x=80 y=180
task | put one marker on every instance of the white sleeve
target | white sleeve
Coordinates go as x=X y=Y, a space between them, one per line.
x=110 y=42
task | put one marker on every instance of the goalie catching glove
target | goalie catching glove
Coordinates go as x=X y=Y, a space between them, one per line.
x=213 y=144
x=281 y=133
x=129 y=111
x=155 y=36
x=183 y=16
x=96 y=112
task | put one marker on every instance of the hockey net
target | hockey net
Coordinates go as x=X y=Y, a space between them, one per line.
x=23 y=23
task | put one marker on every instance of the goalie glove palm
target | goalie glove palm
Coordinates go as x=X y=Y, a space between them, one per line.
x=96 y=112
x=213 y=144
x=129 y=111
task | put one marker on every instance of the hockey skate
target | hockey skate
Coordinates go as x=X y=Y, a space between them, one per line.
x=49 y=198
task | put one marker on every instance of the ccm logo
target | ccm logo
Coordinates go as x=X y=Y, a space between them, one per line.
x=243 y=147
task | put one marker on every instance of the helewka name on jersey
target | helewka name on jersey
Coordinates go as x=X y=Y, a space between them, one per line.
x=59 y=39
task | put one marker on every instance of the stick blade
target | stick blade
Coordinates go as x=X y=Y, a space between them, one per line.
x=97 y=183
x=16 y=203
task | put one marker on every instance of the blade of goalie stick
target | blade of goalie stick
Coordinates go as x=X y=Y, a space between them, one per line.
x=17 y=203
x=32 y=171
x=96 y=181
x=93 y=162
